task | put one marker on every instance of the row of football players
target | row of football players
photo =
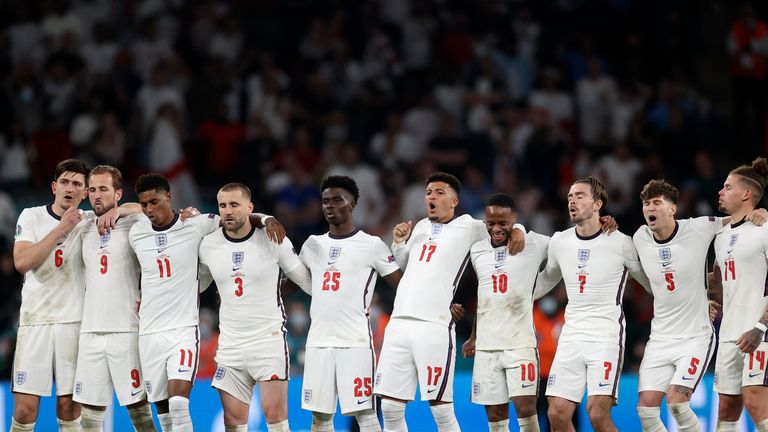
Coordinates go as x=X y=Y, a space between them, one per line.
x=418 y=347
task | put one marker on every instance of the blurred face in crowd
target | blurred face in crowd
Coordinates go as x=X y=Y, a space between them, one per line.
x=498 y=222
x=733 y=194
x=68 y=190
x=581 y=204
x=156 y=205
x=337 y=205
x=234 y=209
x=102 y=193
x=659 y=213
x=441 y=201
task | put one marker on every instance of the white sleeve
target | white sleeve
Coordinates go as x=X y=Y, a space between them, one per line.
x=204 y=277
x=286 y=256
x=479 y=231
x=632 y=263
x=383 y=259
x=25 y=227
x=543 y=242
x=301 y=276
x=549 y=277
x=707 y=226
x=205 y=223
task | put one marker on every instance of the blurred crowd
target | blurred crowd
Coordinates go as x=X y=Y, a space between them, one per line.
x=513 y=96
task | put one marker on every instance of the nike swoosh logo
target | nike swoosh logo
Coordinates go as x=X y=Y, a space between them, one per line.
x=729 y=252
x=332 y=262
x=498 y=265
x=666 y=264
x=102 y=247
x=583 y=265
x=360 y=402
x=236 y=268
x=604 y=384
x=134 y=393
x=527 y=385
x=754 y=374
x=687 y=379
x=184 y=370
x=431 y=391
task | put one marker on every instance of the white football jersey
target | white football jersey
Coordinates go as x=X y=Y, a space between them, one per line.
x=52 y=292
x=677 y=271
x=594 y=270
x=434 y=258
x=111 y=279
x=343 y=273
x=168 y=258
x=741 y=251
x=505 y=293
x=247 y=272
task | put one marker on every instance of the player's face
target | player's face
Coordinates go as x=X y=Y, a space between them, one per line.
x=732 y=195
x=498 y=222
x=102 y=193
x=581 y=205
x=337 y=205
x=659 y=213
x=156 y=205
x=441 y=201
x=234 y=209
x=68 y=189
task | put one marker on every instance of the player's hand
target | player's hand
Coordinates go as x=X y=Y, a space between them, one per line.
x=70 y=218
x=714 y=309
x=468 y=349
x=188 y=213
x=516 y=241
x=274 y=229
x=749 y=341
x=107 y=221
x=758 y=216
x=402 y=231
x=457 y=311
x=608 y=224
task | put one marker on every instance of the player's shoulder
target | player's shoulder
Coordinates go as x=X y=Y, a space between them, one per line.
x=213 y=237
x=35 y=212
x=480 y=246
x=142 y=225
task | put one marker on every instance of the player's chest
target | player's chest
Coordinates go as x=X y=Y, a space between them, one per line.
x=678 y=257
x=439 y=240
x=593 y=262
x=241 y=260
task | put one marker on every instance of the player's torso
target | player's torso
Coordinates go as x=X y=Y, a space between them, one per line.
x=438 y=256
x=111 y=279
x=741 y=255
x=505 y=294
x=53 y=292
x=595 y=276
x=343 y=282
x=676 y=269
x=247 y=275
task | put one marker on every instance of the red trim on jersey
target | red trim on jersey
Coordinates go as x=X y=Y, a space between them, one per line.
x=447 y=369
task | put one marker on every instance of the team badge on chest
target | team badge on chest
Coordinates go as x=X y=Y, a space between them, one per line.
x=665 y=254
x=436 y=229
x=734 y=239
x=501 y=254
x=104 y=239
x=238 y=258
x=583 y=255
x=334 y=252
x=161 y=240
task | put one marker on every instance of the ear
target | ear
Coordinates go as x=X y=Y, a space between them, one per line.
x=53 y=187
x=352 y=205
x=674 y=209
x=250 y=207
x=454 y=202
x=118 y=194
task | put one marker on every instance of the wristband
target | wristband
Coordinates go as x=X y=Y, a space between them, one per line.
x=760 y=326
x=264 y=220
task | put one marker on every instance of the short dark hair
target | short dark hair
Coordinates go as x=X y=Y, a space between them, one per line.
x=246 y=191
x=755 y=176
x=446 y=178
x=501 y=200
x=152 y=181
x=659 y=188
x=117 y=176
x=597 y=189
x=70 y=165
x=342 y=182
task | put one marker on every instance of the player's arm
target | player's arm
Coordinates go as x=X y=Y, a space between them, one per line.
x=401 y=234
x=549 y=277
x=468 y=349
x=297 y=273
x=632 y=263
x=751 y=339
x=29 y=255
x=274 y=229
x=393 y=279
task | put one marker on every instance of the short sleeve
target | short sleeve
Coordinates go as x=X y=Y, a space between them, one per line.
x=286 y=256
x=479 y=231
x=707 y=226
x=383 y=259
x=25 y=227
x=306 y=253
x=543 y=243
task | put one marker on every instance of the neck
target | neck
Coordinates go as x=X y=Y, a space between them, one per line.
x=57 y=209
x=665 y=232
x=740 y=214
x=342 y=229
x=167 y=220
x=589 y=226
x=242 y=232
